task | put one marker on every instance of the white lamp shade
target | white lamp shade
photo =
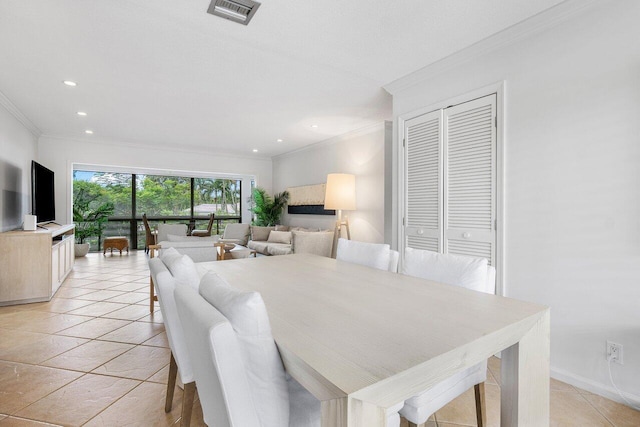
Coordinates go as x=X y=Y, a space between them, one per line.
x=341 y=192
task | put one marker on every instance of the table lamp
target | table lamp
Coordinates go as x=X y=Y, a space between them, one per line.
x=340 y=195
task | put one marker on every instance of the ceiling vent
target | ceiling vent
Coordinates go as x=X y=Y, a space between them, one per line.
x=234 y=10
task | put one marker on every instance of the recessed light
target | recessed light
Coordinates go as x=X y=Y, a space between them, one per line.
x=278 y=140
x=70 y=83
x=255 y=150
x=81 y=113
x=314 y=126
x=88 y=132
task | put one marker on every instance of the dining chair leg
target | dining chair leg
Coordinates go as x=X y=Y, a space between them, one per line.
x=187 y=403
x=416 y=425
x=171 y=383
x=481 y=406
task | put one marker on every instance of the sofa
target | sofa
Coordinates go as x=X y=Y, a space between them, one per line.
x=284 y=240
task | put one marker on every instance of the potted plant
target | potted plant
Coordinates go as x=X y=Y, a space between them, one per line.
x=90 y=216
x=267 y=211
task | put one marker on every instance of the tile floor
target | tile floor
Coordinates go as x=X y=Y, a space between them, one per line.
x=94 y=356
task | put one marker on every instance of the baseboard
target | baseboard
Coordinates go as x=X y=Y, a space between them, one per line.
x=594 y=387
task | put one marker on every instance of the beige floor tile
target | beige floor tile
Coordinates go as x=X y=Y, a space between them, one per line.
x=572 y=409
x=98 y=308
x=18 y=319
x=155 y=317
x=143 y=280
x=128 y=298
x=130 y=312
x=100 y=295
x=23 y=422
x=53 y=324
x=144 y=406
x=68 y=292
x=21 y=385
x=159 y=340
x=61 y=305
x=560 y=386
x=124 y=278
x=161 y=377
x=494 y=366
x=101 y=285
x=76 y=283
x=88 y=356
x=134 y=333
x=10 y=338
x=463 y=409
x=41 y=349
x=138 y=363
x=104 y=277
x=131 y=287
x=79 y=274
x=620 y=415
x=79 y=401
x=94 y=328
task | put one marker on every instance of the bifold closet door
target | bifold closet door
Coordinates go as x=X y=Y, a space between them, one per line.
x=469 y=176
x=423 y=166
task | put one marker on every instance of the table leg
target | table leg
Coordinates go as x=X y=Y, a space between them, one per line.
x=525 y=378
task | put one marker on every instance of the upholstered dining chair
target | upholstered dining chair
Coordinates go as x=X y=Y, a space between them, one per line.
x=150 y=234
x=468 y=272
x=179 y=362
x=376 y=255
x=240 y=377
x=207 y=231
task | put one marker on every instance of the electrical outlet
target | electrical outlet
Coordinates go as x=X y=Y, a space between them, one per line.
x=614 y=352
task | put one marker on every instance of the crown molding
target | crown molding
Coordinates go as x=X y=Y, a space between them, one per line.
x=536 y=24
x=334 y=140
x=164 y=147
x=15 y=112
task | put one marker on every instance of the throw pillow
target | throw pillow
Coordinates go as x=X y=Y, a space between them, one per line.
x=282 y=227
x=279 y=237
x=316 y=242
x=248 y=316
x=260 y=234
x=183 y=270
x=458 y=270
x=376 y=255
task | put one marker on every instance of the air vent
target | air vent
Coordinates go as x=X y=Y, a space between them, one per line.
x=234 y=10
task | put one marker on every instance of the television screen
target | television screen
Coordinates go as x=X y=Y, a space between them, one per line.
x=43 y=202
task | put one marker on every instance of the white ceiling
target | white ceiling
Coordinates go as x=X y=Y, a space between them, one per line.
x=165 y=72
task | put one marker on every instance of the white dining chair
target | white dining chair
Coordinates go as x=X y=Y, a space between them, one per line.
x=468 y=272
x=240 y=377
x=375 y=255
x=179 y=362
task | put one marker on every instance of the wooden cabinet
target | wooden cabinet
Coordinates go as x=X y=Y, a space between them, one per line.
x=33 y=264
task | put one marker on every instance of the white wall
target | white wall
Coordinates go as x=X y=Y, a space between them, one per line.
x=360 y=153
x=18 y=147
x=60 y=154
x=572 y=158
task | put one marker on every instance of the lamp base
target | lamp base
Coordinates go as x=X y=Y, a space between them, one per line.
x=337 y=233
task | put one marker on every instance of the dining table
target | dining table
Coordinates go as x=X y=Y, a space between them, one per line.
x=363 y=340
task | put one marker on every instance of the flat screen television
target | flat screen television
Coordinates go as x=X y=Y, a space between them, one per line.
x=43 y=202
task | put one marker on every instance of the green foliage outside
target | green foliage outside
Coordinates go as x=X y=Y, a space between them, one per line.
x=268 y=210
x=91 y=209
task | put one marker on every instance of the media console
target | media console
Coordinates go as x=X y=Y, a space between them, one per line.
x=33 y=264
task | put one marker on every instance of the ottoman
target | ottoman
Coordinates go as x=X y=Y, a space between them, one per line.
x=115 y=242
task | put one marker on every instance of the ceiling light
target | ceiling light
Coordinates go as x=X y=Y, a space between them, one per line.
x=278 y=140
x=81 y=113
x=88 y=132
x=314 y=126
x=255 y=150
x=70 y=83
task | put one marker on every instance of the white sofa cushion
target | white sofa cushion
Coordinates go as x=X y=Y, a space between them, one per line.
x=376 y=255
x=261 y=234
x=182 y=268
x=176 y=229
x=238 y=232
x=279 y=249
x=248 y=316
x=468 y=272
x=280 y=237
x=258 y=246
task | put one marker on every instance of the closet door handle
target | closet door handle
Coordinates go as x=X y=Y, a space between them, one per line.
x=466 y=235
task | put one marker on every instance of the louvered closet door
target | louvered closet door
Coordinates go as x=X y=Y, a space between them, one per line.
x=469 y=178
x=423 y=166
